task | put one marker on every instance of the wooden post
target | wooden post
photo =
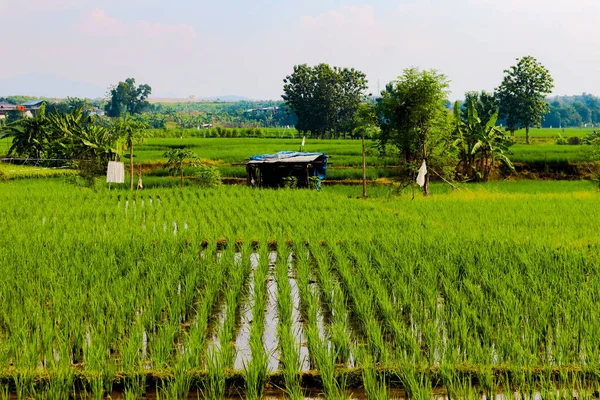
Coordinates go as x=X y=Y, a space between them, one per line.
x=131 y=164
x=364 y=166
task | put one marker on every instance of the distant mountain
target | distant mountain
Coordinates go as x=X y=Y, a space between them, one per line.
x=48 y=85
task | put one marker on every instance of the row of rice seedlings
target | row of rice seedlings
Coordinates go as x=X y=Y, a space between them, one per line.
x=271 y=316
x=322 y=354
x=363 y=305
x=405 y=345
x=289 y=348
x=222 y=357
x=338 y=327
x=255 y=371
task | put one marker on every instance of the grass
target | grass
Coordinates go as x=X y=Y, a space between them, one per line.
x=496 y=284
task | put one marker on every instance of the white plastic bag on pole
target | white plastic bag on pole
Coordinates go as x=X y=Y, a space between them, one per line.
x=115 y=172
x=422 y=173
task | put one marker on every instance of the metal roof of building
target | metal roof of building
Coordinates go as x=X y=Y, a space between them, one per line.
x=33 y=103
x=286 y=157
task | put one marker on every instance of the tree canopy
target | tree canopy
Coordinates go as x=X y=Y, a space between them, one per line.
x=126 y=97
x=522 y=93
x=324 y=98
x=414 y=118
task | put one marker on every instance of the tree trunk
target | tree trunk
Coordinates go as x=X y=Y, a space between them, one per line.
x=526 y=135
x=364 y=166
x=131 y=165
x=426 y=186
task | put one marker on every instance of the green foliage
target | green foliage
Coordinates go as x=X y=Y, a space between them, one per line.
x=30 y=136
x=522 y=93
x=205 y=175
x=177 y=160
x=414 y=119
x=324 y=99
x=126 y=97
x=485 y=104
x=480 y=145
x=579 y=110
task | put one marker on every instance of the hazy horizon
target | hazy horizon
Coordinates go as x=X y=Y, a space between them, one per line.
x=183 y=48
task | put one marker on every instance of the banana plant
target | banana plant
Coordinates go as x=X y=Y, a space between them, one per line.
x=480 y=147
x=30 y=135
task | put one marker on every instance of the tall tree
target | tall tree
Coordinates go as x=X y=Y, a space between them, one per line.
x=126 y=97
x=323 y=98
x=522 y=94
x=414 y=118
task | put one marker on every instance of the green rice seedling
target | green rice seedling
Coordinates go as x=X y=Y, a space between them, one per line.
x=290 y=355
x=374 y=383
x=416 y=382
x=215 y=386
x=256 y=370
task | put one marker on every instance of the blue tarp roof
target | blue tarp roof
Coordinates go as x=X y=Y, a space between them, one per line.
x=289 y=156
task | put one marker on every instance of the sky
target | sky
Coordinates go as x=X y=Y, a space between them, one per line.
x=246 y=48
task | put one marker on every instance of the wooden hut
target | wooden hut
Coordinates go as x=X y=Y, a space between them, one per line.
x=286 y=167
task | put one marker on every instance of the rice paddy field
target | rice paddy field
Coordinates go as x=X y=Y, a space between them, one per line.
x=493 y=290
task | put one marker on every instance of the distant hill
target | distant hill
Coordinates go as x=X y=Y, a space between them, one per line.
x=48 y=85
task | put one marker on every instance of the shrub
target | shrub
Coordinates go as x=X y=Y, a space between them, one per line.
x=591 y=137
x=290 y=182
x=575 y=140
x=206 y=176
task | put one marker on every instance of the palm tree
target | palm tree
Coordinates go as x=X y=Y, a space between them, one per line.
x=131 y=132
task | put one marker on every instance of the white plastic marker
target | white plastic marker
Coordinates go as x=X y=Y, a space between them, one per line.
x=422 y=173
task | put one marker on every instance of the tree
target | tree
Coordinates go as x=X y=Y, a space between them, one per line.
x=522 y=93
x=415 y=120
x=127 y=98
x=366 y=123
x=485 y=103
x=177 y=159
x=130 y=132
x=323 y=98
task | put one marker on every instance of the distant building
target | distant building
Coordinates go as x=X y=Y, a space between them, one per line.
x=33 y=105
x=6 y=108
x=97 y=111
x=262 y=110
